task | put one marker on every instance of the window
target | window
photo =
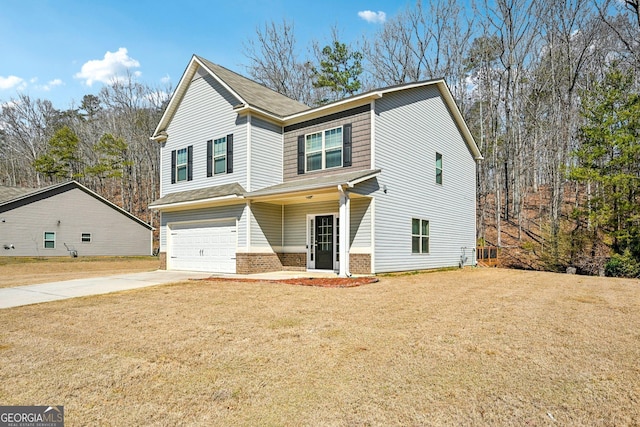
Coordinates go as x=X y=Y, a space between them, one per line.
x=86 y=237
x=220 y=155
x=49 y=240
x=419 y=236
x=324 y=149
x=182 y=164
x=438 y=168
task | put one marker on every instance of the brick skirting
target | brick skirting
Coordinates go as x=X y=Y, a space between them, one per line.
x=293 y=262
x=249 y=263
x=162 y=257
x=360 y=263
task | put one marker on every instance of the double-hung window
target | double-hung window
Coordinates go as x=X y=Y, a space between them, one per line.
x=323 y=150
x=49 y=240
x=419 y=236
x=220 y=155
x=181 y=165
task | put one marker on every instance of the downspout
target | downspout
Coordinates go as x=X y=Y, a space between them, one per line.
x=345 y=232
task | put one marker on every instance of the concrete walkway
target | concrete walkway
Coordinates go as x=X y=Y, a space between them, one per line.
x=45 y=292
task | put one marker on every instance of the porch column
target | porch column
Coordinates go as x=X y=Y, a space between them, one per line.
x=345 y=232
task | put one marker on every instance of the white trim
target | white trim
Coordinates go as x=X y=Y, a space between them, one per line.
x=293 y=249
x=372 y=142
x=249 y=215
x=249 y=165
x=362 y=250
x=373 y=235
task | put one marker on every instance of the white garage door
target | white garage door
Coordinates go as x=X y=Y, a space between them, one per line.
x=203 y=247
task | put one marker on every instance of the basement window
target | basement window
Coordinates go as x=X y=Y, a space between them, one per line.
x=86 y=237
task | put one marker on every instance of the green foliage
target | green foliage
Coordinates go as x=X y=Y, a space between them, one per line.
x=622 y=265
x=340 y=69
x=113 y=157
x=608 y=160
x=62 y=157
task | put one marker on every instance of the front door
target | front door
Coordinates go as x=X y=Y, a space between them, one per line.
x=324 y=242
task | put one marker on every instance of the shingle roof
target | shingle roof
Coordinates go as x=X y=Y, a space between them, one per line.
x=315 y=183
x=254 y=93
x=10 y=193
x=233 y=189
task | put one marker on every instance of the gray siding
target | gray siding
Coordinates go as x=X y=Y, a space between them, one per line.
x=411 y=126
x=206 y=214
x=206 y=112
x=68 y=215
x=266 y=226
x=266 y=154
x=360 y=140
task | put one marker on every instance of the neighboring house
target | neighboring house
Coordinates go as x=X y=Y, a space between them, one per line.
x=253 y=181
x=56 y=220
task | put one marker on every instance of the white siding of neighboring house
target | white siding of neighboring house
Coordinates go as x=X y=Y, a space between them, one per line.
x=205 y=112
x=411 y=126
x=69 y=215
x=206 y=214
x=266 y=154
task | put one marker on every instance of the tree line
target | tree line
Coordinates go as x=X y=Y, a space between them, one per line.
x=549 y=90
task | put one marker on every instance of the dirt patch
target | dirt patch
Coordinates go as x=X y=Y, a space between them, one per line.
x=322 y=282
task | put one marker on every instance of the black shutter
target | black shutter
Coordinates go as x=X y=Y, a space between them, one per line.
x=210 y=157
x=173 y=167
x=300 y=154
x=190 y=163
x=346 y=145
x=230 y=153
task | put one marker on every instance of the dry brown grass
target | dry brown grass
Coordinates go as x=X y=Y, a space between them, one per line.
x=468 y=347
x=29 y=271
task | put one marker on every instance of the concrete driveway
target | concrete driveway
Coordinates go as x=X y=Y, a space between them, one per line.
x=44 y=292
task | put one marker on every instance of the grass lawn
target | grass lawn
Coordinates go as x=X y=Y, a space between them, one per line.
x=18 y=271
x=464 y=347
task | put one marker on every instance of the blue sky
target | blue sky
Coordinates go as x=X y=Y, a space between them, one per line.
x=61 y=50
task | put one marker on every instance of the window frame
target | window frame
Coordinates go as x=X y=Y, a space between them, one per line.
x=324 y=150
x=184 y=165
x=82 y=237
x=222 y=156
x=423 y=236
x=438 y=168
x=52 y=240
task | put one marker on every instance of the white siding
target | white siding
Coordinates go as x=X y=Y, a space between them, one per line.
x=360 y=224
x=411 y=126
x=266 y=154
x=206 y=214
x=295 y=232
x=266 y=226
x=205 y=112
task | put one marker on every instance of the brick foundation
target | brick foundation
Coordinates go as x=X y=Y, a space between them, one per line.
x=250 y=263
x=293 y=262
x=360 y=263
x=162 y=258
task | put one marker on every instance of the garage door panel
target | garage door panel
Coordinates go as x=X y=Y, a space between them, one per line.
x=204 y=247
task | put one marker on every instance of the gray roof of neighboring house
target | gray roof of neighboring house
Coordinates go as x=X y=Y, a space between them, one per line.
x=10 y=193
x=254 y=93
x=14 y=197
x=233 y=189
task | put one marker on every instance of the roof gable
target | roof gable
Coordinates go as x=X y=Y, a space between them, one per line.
x=26 y=196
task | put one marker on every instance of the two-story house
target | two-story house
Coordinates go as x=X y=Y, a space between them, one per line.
x=253 y=181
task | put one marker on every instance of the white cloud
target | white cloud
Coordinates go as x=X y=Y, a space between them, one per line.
x=51 y=84
x=11 y=82
x=114 y=66
x=373 y=17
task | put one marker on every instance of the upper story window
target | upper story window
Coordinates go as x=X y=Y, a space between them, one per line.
x=220 y=155
x=438 y=168
x=182 y=164
x=330 y=148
